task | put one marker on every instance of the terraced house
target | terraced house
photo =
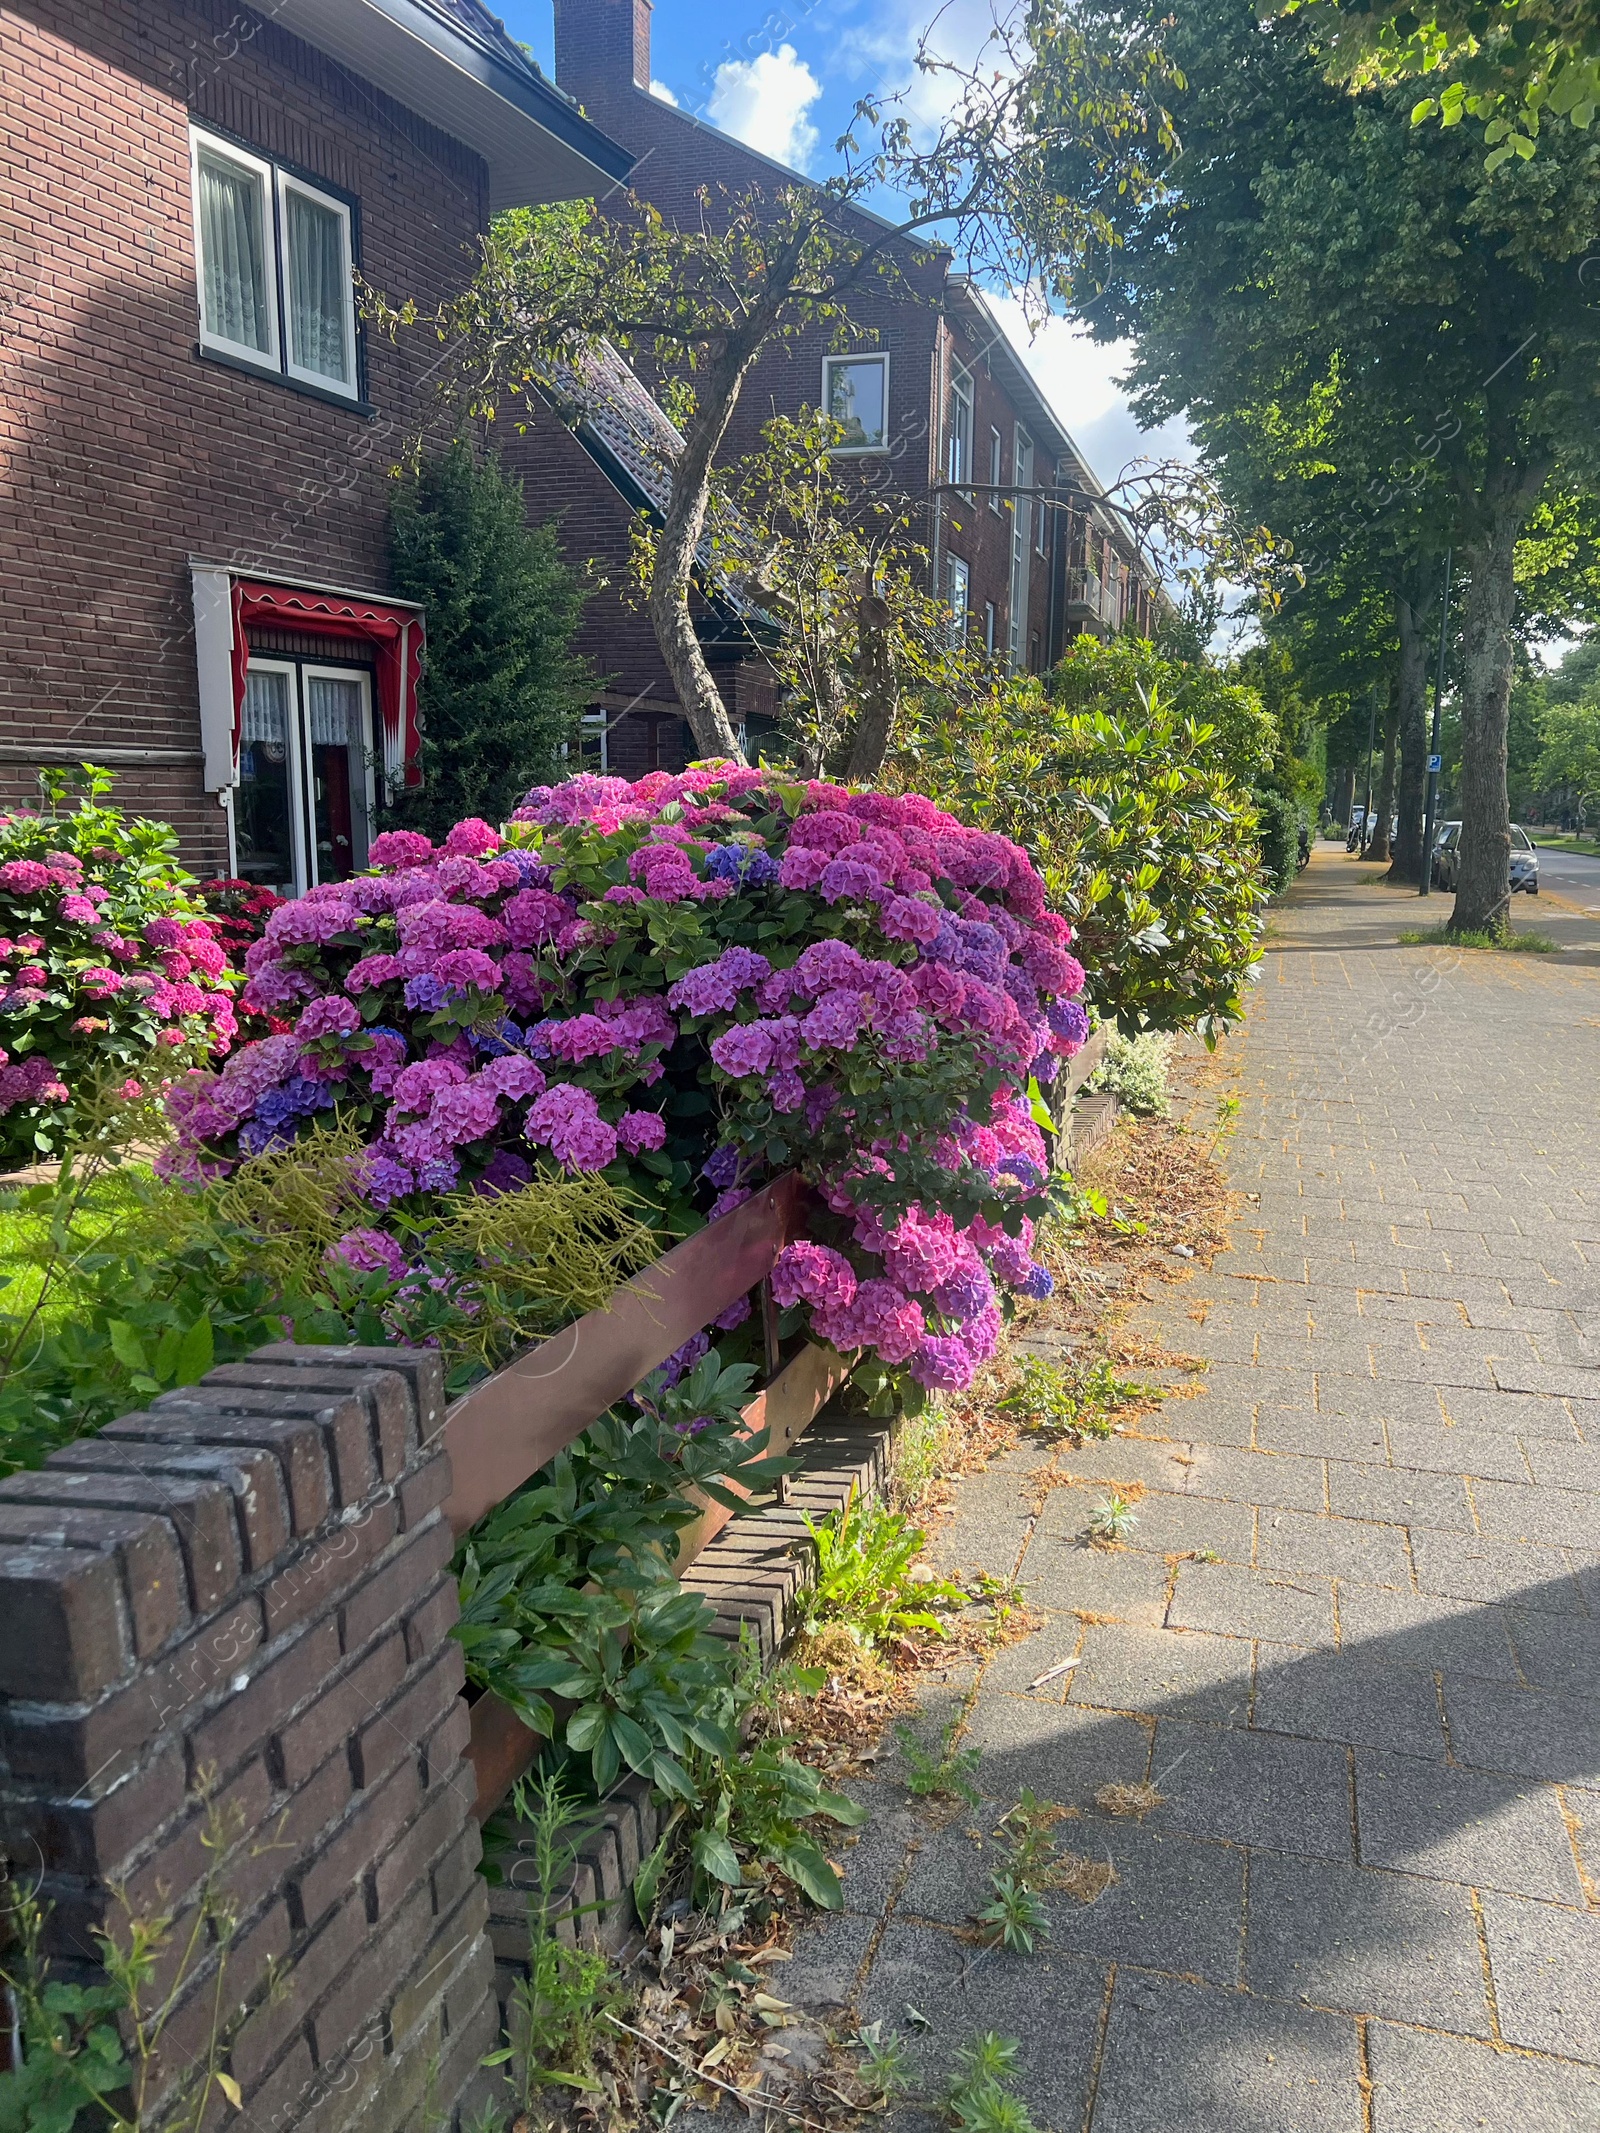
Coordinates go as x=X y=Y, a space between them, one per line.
x=196 y=431
x=935 y=401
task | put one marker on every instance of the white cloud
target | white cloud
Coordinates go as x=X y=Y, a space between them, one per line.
x=1082 y=380
x=660 y=89
x=763 y=102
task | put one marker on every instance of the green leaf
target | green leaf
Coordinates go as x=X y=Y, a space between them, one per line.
x=196 y=1353
x=714 y=1855
x=127 y=1347
x=805 y=1865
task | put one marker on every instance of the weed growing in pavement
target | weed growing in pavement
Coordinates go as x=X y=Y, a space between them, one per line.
x=948 y=1775
x=1111 y=1518
x=885 y=2070
x=1014 y=1917
x=1442 y=937
x=919 y=1455
x=979 y=2097
x=1070 y=1399
x=866 y=1579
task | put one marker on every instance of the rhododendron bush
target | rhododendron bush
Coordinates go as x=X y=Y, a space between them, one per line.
x=111 y=976
x=688 y=984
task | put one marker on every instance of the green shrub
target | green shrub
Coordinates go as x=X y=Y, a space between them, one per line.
x=1143 y=831
x=1278 y=818
x=1135 y=1071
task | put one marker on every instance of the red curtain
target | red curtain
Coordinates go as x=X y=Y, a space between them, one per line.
x=396 y=635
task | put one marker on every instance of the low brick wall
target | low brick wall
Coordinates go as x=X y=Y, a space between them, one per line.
x=250 y=1582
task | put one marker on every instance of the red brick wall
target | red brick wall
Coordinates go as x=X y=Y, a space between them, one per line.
x=123 y=453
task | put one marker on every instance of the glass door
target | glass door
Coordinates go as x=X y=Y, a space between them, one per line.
x=303 y=808
x=269 y=847
x=339 y=770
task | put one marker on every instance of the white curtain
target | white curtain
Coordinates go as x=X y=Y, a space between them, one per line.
x=319 y=288
x=266 y=708
x=233 y=247
x=335 y=712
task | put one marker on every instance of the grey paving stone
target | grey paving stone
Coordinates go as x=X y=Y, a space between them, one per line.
x=871 y=1859
x=1339 y=1696
x=1552 y=1518
x=1253 y=1788
x=1159 y=1462
x=1050 y=2003
x=1477 y=1567
x=1433 y=2084
x=1182 y=2058
x=1370 y=1943
x=1163 y=1525
x=1443 y=1449
x=1287 y=1481
x=1545 y=1962
x=1377 y=1400
x=1556 y=1653
x=828 y=1954
x=1564 y=1466
x=1527 y=1732
x=1254 y=1382
x=1231 y=1600
x=1530 y=1415
x=1061 y=1751
x=1319 y=1434
x=1171 y=1673
x=1012 y=1668
x=1333 y=1547
x=1425 y=1630
x=1399 y=1496
x=1463 y=1825
x=1119 y=1583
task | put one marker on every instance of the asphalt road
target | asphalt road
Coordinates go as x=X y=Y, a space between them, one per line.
x=1570 y=875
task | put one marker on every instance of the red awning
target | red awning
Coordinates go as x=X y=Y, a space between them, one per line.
x=396 y=635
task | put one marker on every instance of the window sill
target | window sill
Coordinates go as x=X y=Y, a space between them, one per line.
x=264 y=376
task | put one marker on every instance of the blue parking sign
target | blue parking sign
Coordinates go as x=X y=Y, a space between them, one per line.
x=1435 y=762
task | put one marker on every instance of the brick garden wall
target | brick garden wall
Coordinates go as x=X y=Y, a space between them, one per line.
x=123 y=453
x=249 y=1584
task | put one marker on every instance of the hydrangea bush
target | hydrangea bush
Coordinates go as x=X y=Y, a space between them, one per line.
x=111 y=977
x=689 y=984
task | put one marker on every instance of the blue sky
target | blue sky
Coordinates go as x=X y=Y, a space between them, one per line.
x=785 y=77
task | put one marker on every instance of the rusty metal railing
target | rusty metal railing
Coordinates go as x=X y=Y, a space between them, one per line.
x=502 y=1432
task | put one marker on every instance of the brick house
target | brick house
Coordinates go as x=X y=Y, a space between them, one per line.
x=197 y=433
x=946 y=415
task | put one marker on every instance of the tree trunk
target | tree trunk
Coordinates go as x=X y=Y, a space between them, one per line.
x=1483 y=880
x=1383 y=802
x=1408 y=855
x=677 y=549
x=875 y=693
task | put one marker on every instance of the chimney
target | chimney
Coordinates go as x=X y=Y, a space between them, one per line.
x=602 y=50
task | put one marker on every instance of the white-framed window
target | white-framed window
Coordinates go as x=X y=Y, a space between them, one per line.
x=855 y=394
x=594 y=743
x=958 y=451
x=959 y=594
x=1040 y=521
x=991 y=624
x=1022 y=516
x=997 y=463
x=303 y=807
x=275 y=256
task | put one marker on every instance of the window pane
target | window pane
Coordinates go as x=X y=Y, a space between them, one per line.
x=338 y=759
x=261 y=804
x=319 y=288
x=855 y=402
x=233 y=254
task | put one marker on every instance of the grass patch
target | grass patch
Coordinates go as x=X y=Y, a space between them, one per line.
x=1586 y=847
x=1514 y=943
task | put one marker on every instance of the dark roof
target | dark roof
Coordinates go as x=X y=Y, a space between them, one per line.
x=629 y=436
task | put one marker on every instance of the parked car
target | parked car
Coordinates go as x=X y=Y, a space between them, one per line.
x=1447 y=859
x=1443 y=848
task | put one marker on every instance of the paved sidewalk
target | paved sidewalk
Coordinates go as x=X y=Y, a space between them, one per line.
x=1355 y=1639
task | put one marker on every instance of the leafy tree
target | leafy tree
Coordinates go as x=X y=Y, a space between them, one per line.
x=502 y=686
x=1508 y=61
x=1307 y=227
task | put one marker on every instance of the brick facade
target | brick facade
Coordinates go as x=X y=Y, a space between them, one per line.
x=125 y=453
x=249 y=1584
